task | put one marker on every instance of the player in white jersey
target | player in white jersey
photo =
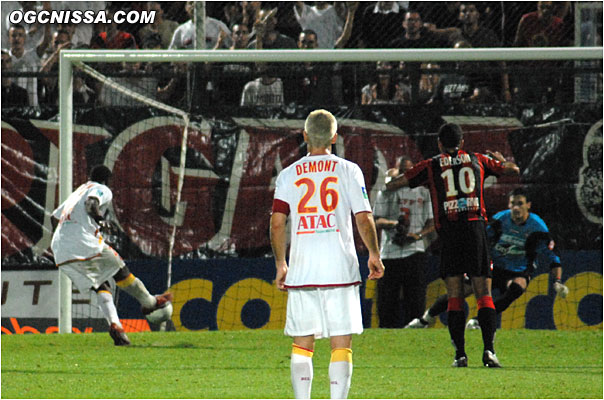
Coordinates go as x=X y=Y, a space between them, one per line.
x=82 y=254
x=319 y=193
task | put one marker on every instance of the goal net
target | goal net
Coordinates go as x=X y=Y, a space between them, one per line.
x=195 y=140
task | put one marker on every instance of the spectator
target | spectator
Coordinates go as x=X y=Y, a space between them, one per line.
x=82 y=33
x=232 y=14
x=34 y=32
x=381 y=24
x=267 y=37
x=163 y=27
x=234 y=76
x=384 y=90
x=51 y=65
x=443 y=14
x=250 y=11
x=416 y=37
x=319 y=82
x=405 y=217
x=12 y=94
x=478 y=35
x=472 y=30
x=313 y=81
x=541 y=28
x=175 y=91
x=463 y=85
x=137 y=79
x=267 y=90
x=184 y=35
x=77 y=37
x=152 y=42
x=428 y=82
x=27 y=60
x=7 y=8
x=322 y=18
x=112 y=38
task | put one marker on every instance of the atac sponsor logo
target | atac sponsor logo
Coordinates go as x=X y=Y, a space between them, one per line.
x=316 y=223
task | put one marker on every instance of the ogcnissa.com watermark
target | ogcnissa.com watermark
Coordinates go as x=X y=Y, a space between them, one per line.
x=79 y=16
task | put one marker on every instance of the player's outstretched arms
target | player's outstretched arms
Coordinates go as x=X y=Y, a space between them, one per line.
x=368 y=233
x=397 y=182
x=510 y=167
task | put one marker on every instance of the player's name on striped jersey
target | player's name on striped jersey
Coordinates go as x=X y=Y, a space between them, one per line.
x=316 y=166
x=457 y=160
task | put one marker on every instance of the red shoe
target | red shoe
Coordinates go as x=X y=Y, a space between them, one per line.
x=161 y=301
x=118 y=335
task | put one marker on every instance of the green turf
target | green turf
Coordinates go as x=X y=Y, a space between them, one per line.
x=255 y=364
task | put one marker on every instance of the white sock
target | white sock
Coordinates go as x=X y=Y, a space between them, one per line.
x=301 y=374
x=135 y=288
x=427 y=317
x=105 y=300
x=340 y=373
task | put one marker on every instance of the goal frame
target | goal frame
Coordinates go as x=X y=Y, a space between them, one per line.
x=69 y=57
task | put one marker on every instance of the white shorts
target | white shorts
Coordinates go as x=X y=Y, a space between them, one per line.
x=91 y=274
x=324 y=312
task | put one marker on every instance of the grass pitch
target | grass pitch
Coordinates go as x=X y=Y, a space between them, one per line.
x=255 y=364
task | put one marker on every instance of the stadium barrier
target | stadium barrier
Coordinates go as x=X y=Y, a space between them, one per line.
x=233 y=157
x=236 y=294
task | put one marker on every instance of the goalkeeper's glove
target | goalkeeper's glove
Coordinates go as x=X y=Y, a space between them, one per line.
x=560 y=288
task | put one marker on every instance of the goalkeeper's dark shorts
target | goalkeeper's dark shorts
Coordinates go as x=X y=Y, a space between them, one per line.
x=465 y=249
x=502 y=276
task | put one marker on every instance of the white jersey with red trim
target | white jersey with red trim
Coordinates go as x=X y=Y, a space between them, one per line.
x=322 y=193
x=77 y=236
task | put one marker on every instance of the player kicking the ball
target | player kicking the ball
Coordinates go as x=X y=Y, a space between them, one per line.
x=82 y=254
x=319 y=193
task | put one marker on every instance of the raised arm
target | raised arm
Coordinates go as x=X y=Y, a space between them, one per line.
x=509 y=167
x=397 y=182
x=347 y=31
x=368 y=233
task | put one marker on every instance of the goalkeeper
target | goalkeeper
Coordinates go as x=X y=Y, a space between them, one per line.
x=517 y=238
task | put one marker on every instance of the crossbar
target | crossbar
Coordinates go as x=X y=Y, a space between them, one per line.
x=344 y=55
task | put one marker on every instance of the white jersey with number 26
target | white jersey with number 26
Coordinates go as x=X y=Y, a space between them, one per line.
x=322 y=193
x=77 y=236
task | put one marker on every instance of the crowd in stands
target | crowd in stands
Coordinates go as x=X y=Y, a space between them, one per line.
x=296 y=25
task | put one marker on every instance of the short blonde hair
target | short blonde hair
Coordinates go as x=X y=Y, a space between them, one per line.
x=321 y=127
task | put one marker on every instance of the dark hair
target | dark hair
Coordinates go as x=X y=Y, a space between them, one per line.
x=450 y=135
x=100 y=174
x=309 y=32
x=413 y=11
x=152 y=40
x=520 y=191
x=17 y=26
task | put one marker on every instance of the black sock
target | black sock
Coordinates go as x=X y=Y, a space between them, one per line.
x=439 y=306
x=487 y=317
x=457 y=325
x=512 y=293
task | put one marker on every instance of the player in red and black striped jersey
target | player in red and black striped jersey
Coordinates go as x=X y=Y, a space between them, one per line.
x=455 y=179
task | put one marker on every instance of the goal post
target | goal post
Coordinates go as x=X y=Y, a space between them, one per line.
x=70 y=59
